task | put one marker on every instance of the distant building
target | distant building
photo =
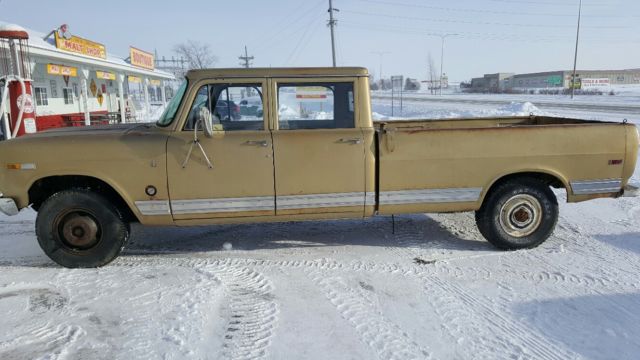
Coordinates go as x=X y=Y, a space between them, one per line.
x=585 y=80
x=492 y=82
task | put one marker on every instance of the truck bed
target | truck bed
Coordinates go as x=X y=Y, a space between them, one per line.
x=450 y=164
x=474 y=123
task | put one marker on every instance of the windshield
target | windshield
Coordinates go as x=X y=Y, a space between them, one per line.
x=172 y=106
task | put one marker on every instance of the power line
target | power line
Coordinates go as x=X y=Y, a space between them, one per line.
x=267 y=41
x=470 y=22
x=468 y=35
x=555 y=3
x=481 y=11
x=300 y=41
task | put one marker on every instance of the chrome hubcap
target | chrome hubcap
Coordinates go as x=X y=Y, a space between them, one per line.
x=521 y=215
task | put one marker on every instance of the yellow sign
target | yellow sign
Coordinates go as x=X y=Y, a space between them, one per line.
x=141 y=58
x=311 y=93
x=54 y=69
x=82 y=46
x=154 y=82
x=134 y=79
x=100 y=97
x=105 y=75
x=93 y=87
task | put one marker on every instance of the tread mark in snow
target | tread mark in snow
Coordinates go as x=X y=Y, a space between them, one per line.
x=528 y=343
x=44 y=341
x=387 y=339
x=441 y=268
x=254 y=313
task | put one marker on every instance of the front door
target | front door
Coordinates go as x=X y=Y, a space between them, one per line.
x=318 y=150
x=237 y=179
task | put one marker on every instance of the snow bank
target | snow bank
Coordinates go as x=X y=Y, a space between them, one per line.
x=382 y=111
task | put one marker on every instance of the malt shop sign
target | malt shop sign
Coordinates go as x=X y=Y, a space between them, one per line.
x=78 y=45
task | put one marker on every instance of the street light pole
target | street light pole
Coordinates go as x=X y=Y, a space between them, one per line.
x=575 y=58
x=442 y=37
x=380 y=54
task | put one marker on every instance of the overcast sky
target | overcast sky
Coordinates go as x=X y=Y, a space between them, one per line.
x=492 y=35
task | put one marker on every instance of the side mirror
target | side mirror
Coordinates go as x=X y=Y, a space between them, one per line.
x=204 y=117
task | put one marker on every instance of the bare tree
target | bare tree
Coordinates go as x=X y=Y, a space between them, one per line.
x=198 y=55
x=432 y=74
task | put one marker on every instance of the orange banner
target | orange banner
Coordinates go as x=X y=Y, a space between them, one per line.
x=141 y=58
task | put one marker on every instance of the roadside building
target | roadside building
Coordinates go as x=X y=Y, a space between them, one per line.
x=492 y=82
x=542 y=80
x=77 y=82
x=585 y=80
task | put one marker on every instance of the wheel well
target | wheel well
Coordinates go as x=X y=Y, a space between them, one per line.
x=42 y=189
x=545 y=178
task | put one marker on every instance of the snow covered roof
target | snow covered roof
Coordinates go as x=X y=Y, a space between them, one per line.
x=47 y=48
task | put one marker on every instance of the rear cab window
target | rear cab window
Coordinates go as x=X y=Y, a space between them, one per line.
x=316 y=105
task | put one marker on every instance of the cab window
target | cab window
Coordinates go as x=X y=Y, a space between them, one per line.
x=316 y=106
x=234 y=107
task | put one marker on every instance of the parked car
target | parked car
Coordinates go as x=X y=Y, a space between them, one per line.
x=251 y=107
x=227 y=110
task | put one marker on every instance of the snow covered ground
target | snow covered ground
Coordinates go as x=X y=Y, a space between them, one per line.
x=335 y=290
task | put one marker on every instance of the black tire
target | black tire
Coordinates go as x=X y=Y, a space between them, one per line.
x=518 y=214
x=80 y=229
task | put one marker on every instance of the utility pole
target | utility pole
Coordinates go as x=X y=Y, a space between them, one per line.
x=246 y=59
x=380 y=54
x=332 y=23
x=442 y=37
x=575 y=57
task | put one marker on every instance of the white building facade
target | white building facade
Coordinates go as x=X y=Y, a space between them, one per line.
x=76 y=82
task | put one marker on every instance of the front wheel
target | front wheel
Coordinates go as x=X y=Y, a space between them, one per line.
x=518 y=214
x=80 y=229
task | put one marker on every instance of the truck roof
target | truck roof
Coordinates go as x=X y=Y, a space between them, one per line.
x=277 y=72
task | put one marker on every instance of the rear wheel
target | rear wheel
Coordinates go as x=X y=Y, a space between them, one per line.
x=518 y=214
x=80 y=229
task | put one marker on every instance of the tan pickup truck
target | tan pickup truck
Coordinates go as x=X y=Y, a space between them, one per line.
x=259 y=145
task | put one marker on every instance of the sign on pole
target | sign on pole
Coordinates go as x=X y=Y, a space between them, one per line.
x=396 y=85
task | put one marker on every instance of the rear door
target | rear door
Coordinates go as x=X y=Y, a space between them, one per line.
x=318 y=150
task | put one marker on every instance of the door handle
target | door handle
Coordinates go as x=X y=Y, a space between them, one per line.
x=262 y=143
x=351 y=141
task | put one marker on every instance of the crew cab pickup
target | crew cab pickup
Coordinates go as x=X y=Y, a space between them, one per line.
x=308 y=149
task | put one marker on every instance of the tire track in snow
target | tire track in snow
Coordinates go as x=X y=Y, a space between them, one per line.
x=253 y=314
x=515 y=337
x=38 y=338
x=464 y=329
x=597 y=252
x=384 y=337
x=441 y=268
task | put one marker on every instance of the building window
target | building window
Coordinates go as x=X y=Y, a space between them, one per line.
x=41 y=96
x=67 y=93
x=54 y=89
x=75 y=90
x=152 y=94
